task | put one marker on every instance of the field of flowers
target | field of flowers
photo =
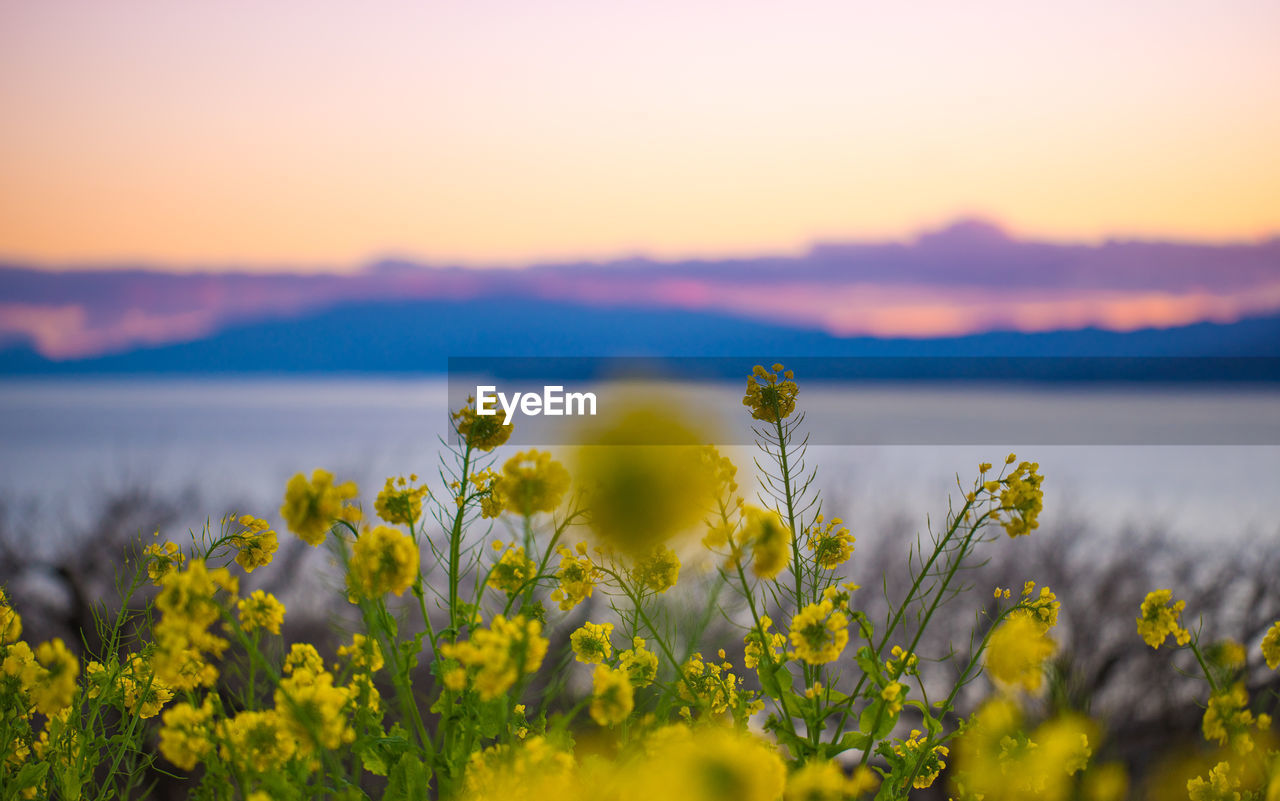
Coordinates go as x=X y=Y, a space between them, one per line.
x=474 y=673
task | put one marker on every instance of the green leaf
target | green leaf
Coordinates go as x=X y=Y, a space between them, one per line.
x=775 y=679
x=931 y=724
x=31 y=775
x=855 y=740
x=409 y=780
x=876 y=722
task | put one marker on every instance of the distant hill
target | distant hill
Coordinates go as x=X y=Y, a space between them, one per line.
x=419 y=336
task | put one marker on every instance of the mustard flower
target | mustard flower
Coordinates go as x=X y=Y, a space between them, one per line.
x=364 y=653
x=143 y=692
x=499 y=655
x=185 y=736
x=1271 y=646
x=769 y=538
x=612 y=697
x=916 y=750
x=1021 y=499
x=657 y=571
x=819 y=780
x=577 y=577
x=311 y=507
x=10 y=622
x=712 y=763
x=400 y=502
x=591 y=642
x=1016 y=653
x=261 y=610
x=255 y=741
x=831 y=543
x=383 y=560
x=767 y=398
x=893 y=694
x=819 y=633
x=512 y=571
x=162 y=560
x=1221 y=785
x=708 y=685
x=1159 y=619
x=50 y=679
x=314 y=711
x=532 y=482
x=640 y=664
x=483 y=432
x=1227 y=718
x=256 y=543
x=761 y=641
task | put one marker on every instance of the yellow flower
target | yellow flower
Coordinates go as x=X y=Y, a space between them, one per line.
x=708 y=685
x=400 y=502
x=1271 y=646
x=711 y=763
x=383 y=560
x=658 y=571
x=612 y=697
x=261 y=610
x=819 y=633
x=364 y=653
x=529 y=770
x=1159 y=619
x=832 y=545
x=756 y=645
x=483 y=432
x=1016 y=653
x=1022 y=499
x=767 y=398
x=313 y=710
x=577 y=577
x=645 y=479
x=1227 y=717
x=1042 y=608
x=311 y=507
x=499 y=655
x=10 y=622
x=255 y=741
x=820 y=780
x=51 y=678
x=640 y=664
x=188 y=607
x=769 y=538
x=913 y=751
x=591 y=642
x=143 y=692
x=893 y=695
x=512 y=571
x=1220 y=786
x=162 y=560
x=531 y=482
x=185 y=735
x=256 y=544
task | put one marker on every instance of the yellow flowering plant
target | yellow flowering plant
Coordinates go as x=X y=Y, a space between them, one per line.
x=524 y=632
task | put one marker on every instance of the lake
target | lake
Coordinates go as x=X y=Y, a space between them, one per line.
x=1200 y=463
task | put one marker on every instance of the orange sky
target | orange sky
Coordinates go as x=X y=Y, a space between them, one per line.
x=311 y=132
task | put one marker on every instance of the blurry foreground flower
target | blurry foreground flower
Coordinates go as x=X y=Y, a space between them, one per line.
x=311 y=507
x=645 y=479
x=1016 y=653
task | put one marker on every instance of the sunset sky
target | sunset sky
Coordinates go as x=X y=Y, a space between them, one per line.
x=312 y=133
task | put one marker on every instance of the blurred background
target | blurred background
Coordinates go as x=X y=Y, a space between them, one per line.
x=241 y=240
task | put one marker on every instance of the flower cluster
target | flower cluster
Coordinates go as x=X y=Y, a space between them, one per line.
x=768 y=398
